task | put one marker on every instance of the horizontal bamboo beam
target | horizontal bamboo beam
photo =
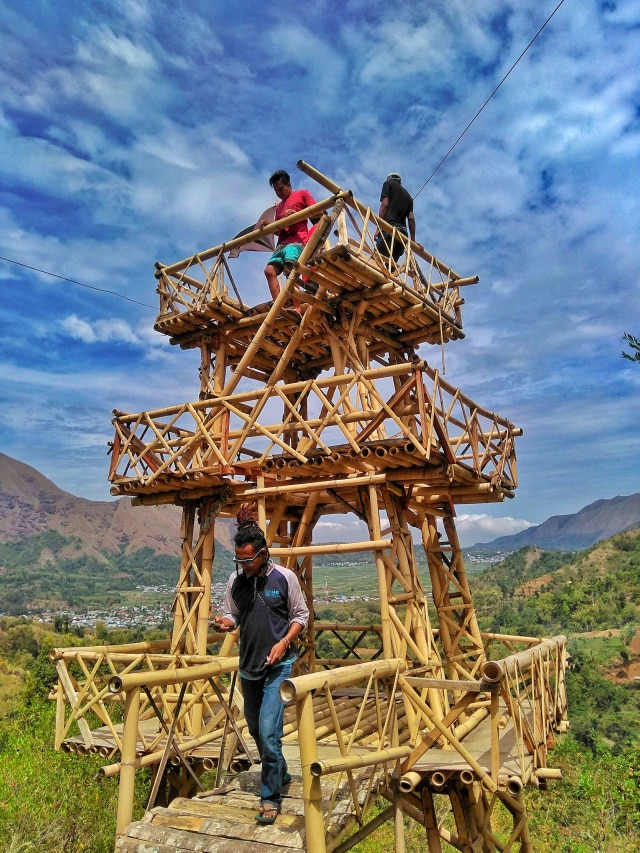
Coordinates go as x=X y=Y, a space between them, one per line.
x=451 y=684
x=337 y=548
x=130 y=648
x=495 y=670
x=310 y=486
x=293 y=689
x=157 y=678
x=336 y=626
x=354 y=762
x=510 y=638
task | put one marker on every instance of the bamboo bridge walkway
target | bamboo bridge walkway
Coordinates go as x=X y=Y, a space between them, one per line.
x=222 y=820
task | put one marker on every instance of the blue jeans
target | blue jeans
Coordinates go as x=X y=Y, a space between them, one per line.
x=264 y=712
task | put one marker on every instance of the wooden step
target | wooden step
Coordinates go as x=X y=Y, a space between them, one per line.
x=225 y=822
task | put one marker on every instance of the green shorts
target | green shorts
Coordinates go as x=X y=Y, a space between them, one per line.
x=286 y=254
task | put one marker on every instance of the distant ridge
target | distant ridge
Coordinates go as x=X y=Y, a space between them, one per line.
x=31 y=504
x=593 y=523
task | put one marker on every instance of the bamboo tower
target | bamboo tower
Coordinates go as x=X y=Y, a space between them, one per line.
x=336 y=412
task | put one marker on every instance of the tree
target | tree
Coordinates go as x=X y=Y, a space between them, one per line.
x=634 y=343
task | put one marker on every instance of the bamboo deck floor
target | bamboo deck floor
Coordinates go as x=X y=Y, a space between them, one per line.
x=223 y=821
x=478 y=743
x=392 y=315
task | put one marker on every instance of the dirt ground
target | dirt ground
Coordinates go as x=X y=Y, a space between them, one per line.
x=619 y=673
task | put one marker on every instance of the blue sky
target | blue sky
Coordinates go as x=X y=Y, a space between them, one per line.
x=134 y=131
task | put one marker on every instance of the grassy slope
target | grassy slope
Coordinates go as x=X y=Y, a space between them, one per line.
x=595 y=808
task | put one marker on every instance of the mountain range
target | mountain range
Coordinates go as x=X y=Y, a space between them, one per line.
x=31 y=504
x=593 y=523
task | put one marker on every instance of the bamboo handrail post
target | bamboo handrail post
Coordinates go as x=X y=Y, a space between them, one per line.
x=128 y=758
x=311 y=788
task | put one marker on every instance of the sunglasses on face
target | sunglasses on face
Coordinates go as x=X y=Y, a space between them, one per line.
x=245 y=561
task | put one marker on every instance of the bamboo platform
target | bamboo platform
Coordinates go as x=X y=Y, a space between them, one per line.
x=223 y=820
x=392 y=316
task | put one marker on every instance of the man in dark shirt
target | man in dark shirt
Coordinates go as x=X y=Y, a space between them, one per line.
x=267 y=603
x=396 y=208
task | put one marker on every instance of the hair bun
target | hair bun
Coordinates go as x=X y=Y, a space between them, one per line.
x=245 y=518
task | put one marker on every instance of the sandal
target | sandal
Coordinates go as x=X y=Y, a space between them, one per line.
x=268 y=814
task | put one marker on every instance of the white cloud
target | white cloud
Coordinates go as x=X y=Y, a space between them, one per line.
x=113 y=330
x=479 y=527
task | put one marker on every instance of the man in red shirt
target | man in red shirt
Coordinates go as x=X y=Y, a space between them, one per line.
x=291 y=239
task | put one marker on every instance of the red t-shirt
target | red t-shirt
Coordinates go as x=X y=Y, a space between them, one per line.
x=298 y=233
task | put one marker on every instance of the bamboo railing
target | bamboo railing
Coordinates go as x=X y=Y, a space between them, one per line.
x=193 y=293
x=525 y=691
x=425 y=423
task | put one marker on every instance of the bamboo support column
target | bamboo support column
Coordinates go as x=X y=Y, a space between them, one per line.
x=462 y=584
x=207 y=530
x=182 y=598
x=375 y=533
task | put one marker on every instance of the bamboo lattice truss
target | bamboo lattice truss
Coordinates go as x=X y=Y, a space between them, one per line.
x=335 y=412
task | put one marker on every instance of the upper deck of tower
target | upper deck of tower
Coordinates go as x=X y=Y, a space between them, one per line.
x=341 y=276
x=326 y=400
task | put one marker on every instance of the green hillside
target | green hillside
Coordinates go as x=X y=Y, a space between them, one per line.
x=49 y=571
x=535 y=591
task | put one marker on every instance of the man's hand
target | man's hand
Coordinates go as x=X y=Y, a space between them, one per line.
x=277 y=652
x=223 y=623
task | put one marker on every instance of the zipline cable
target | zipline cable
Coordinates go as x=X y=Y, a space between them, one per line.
x=79 y=283
x=489 y=98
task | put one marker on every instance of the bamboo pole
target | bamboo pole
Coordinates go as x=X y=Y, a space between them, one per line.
x=311 y=212
x=430 y=821
x=495 y=736
x=151 y=678
x=472 y=722
x=127 y=764
x=311 y=790
x=385 y=611
x=334 y=548
x=496 y=670
x=294 y=688
x=355 y=762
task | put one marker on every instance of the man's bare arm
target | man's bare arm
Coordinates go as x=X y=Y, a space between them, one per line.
x=412 y=225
